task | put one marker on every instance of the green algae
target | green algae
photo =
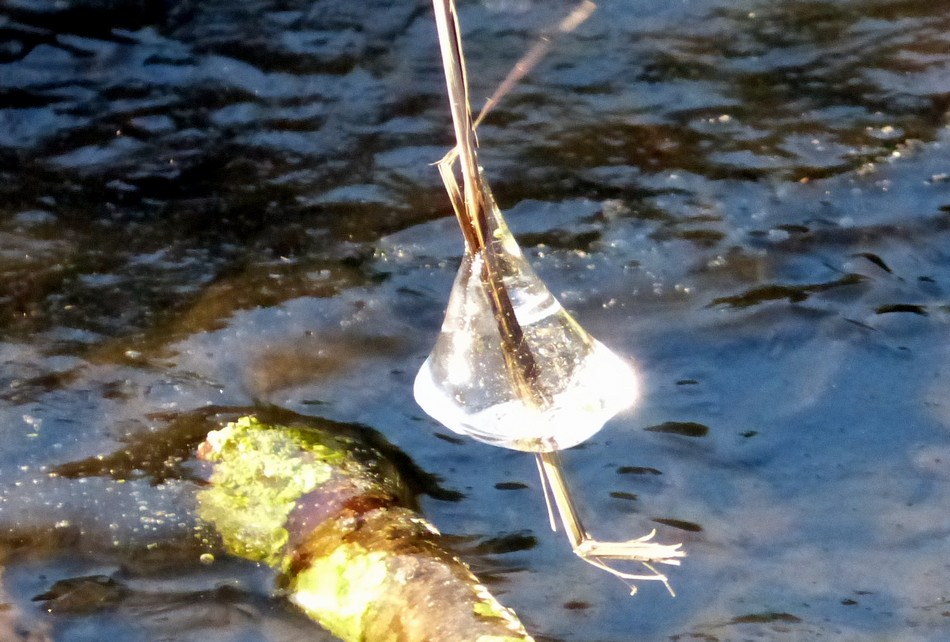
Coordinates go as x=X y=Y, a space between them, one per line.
x=260 y=472
x=323 y=510
x=338 y=589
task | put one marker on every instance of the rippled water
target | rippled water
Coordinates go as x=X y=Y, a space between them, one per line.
x=209 y=203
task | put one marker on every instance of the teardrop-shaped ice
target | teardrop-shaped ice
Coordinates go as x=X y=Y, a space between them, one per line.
x=578 y=383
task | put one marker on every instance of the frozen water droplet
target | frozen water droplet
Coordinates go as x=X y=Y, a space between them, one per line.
x=577 y=383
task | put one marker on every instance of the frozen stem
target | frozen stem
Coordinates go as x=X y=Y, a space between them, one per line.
x=474 y=207
x=640 y=550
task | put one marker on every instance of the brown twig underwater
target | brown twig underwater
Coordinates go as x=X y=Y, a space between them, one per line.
x=481 y=223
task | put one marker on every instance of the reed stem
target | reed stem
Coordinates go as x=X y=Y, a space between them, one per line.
x=479 y=219
x=476 y=211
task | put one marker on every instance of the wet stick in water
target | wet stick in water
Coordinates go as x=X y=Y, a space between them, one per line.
x=328 y=514
x=510 y=366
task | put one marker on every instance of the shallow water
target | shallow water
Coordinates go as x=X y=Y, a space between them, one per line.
x=214 y=203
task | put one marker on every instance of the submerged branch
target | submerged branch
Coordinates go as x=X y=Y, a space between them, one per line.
x=324 y=511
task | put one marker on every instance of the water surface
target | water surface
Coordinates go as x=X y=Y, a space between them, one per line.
x=206 y=205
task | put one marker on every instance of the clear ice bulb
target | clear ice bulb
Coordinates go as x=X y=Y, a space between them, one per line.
x=465 y=382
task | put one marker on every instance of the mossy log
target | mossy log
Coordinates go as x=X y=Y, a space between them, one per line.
x=329 y=515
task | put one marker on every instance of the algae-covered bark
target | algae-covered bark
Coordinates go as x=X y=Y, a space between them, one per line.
x=325 y=512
